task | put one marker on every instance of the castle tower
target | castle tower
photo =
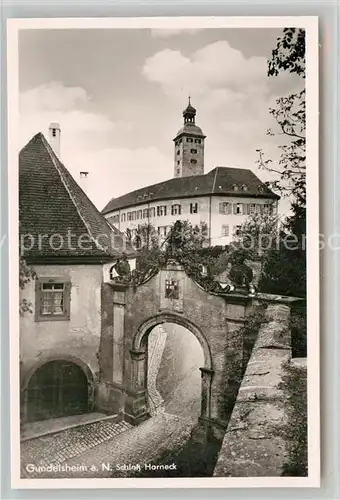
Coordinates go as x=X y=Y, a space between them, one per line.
x=189 y=146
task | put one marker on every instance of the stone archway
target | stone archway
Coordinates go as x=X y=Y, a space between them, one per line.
x=137 y=406
x=56 y=388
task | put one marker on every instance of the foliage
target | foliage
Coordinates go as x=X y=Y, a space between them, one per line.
x=283 y=273
x=186 y=244
x=257 y=235
x=290 y=116
x=284 y=268
x=294 y=430
x=298 y=327
x=26 y=274
x=289 y=54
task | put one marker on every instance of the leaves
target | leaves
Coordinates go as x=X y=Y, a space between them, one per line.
x=26 y=274
x=290 y=117
x=289 y=54
x=186 y=244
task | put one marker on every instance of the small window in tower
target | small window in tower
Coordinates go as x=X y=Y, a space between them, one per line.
x=197 y=141
x=178 y=171
x=178 y=152
x=193 y=151
x=54 y=132
x=193 y=160
x=189 y=139
x=178 y=162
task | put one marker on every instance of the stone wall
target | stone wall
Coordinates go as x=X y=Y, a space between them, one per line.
x=252 y=446
x=156 y=344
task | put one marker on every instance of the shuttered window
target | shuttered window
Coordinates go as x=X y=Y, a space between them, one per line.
x=238 y=208
x=225 y=208
x=52 y=299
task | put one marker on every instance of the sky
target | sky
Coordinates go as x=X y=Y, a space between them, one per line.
x=119 y=94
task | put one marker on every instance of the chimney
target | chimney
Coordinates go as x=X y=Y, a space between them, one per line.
x=83 y=181
x=54 y=137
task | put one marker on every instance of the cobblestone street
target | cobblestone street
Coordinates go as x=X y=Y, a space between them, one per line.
x=100 y=448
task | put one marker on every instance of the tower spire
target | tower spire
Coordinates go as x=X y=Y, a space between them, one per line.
x=189 y=146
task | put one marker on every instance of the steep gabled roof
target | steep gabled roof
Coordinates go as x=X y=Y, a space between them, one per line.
x=55 y=212
x=219 y=181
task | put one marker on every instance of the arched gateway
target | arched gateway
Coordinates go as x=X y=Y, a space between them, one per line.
x=170 y=296
x=57 y=388
x=139 y=355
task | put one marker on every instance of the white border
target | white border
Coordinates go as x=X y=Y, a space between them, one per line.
x=310 y=24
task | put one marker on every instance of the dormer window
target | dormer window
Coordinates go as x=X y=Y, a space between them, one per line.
x=244 y=187
x=235 y=187
x=260 y=189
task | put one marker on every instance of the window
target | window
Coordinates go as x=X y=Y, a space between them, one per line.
x=114 y=219
x=176 y=210
x=152 y=212
x=244 y=188
x=198 y=141
x=133 y=215
x=163 y=231
x=260 y=189
x=225 y=230
x=225 y=208
x=52 y=299
x=129 y=216
x=178 y=152
x=145 y=213
x=268 y=209
x=235 y=187
x=193 y=151
x=54 y=132
x=161 y=210
x=193 y=161
x=123 y=216
x=238 y=208
x=237 y=230
x=178 y=170
x=171 y=289
x=193 y=208
x=252 y=208
x=178 y=162
x=189 y=139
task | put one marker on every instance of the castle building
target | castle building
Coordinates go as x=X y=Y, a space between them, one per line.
x=220 y=200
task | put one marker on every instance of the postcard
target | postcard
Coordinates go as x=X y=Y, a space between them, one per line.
x=163 y=214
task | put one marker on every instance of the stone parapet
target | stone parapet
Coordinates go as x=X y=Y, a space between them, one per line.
x=252 y=445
